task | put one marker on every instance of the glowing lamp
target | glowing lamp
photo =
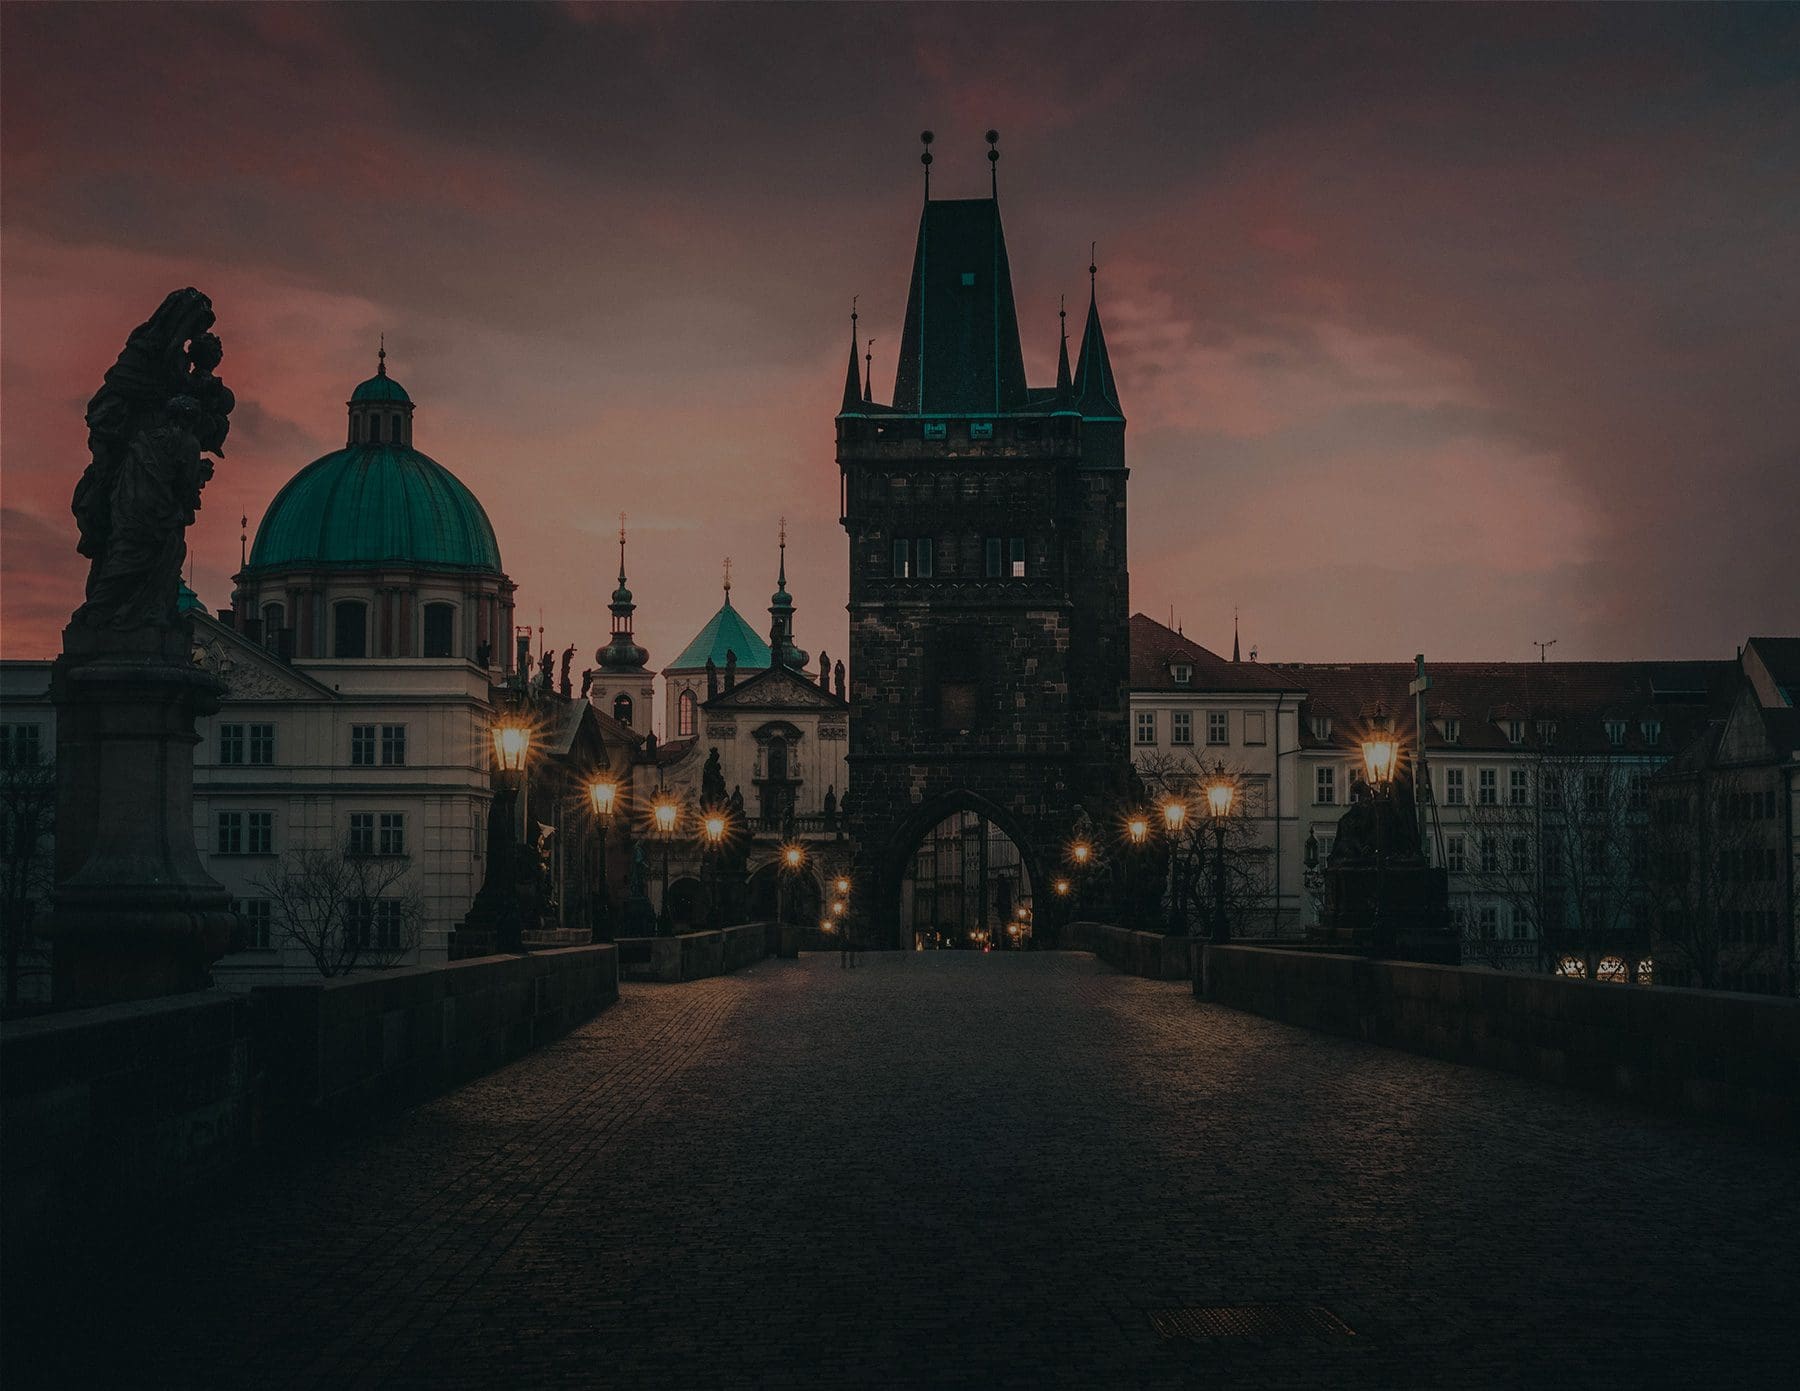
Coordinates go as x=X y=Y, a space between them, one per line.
x=665 y=812
x=512 y=741
x=1219 y=795
x=714 y=826
x=793 y=857
x=1174 y=814
x=843 y=885
x=837 y=908
x=1062 y=886
x=1081 y=851
x=605 y=795
x=1137 y=828
x=1379 y=756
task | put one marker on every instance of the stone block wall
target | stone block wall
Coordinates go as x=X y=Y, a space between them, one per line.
x=1149 y=954
x=340 y=1051
x=694 y=955
x=1702 y=1053
x=113 y=1110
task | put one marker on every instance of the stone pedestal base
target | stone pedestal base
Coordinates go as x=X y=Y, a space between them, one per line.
x=1401 y=912
x=135 y=913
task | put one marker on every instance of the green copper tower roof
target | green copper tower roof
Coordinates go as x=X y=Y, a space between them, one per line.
x=724 y=632
x=375 y=505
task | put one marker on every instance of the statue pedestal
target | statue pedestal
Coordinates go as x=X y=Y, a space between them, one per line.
x=1400 y=911
x=135 y=913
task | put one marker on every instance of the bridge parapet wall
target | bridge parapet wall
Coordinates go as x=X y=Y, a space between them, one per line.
x=1149 y=954
x=1697 y=1052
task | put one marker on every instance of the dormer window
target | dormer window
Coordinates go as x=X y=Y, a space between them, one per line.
x=1183 y=674
x=1615 y=732
x=981 y=429
x=1321 y=727
x=1452 y=731
x=1515 y=731
x=1652 y=732
x=1546 y=732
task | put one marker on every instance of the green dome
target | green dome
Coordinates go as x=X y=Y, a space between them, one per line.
x=725 y=632
x=380 y=387
x=375 y=505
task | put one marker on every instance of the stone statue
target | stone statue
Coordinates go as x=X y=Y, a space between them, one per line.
x=568 y=660
x=640 y=872
x=484 y=655
x=159 y=412
x=830 y=807
x=712 y=679
x=730 y=669
x=545 y=664
x=1376 y=826
x=838 y=677
x=712 y=781
x=824 y=670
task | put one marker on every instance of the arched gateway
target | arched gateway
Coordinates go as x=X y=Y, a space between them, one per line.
x=968 y=880
x=988 y=592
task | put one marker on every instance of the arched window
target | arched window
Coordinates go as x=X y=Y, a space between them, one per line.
x=394 y=430
x=350 y=629
x=440 y=630
x=685 y=717
x=622 y=708
x=778 y=759
x=272 y=616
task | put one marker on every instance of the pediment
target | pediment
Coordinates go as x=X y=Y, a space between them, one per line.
x=249 y=672
x=778 y=688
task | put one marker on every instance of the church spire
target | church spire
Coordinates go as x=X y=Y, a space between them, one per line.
x=1065 y=393
x=623 y=651
x=869 y=371
x=853 y=388
x=1234 y=636
x=782 y=652
x=1097 y=395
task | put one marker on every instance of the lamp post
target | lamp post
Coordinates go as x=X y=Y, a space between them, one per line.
x=1381 y=757
x=1137 y=831
x=1081 y=855
x=604 y=796
x=512 y=747
x=712 y=835
x=1220 y=793
x=793 y=860
x=664 y=814
x=1174 y=816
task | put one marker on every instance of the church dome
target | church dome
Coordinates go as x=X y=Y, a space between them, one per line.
x=375 y=505
x=380 y=387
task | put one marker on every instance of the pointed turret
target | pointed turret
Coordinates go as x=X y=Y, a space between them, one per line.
x=1234 y=636
x=1065 y=389
x=781 y=617
x=1096 y=394
x=622 y=653
x=853 y=387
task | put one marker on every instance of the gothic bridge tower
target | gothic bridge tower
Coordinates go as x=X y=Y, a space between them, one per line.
x=988 y=598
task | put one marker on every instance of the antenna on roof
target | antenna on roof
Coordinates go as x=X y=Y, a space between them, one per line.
x=925 y=139
x=1543 y=647
x=993 y=139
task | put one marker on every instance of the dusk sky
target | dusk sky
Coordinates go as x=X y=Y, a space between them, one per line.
x=1437 y=329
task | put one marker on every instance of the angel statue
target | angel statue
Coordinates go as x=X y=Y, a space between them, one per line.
x=159 y=412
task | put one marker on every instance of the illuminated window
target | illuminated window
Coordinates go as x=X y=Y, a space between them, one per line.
x=686 y=707
x=622 y=708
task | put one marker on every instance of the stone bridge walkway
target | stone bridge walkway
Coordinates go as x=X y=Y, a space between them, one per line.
x=959 y=1170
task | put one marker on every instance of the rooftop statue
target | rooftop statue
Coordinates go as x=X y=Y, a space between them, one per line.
x=159 y=412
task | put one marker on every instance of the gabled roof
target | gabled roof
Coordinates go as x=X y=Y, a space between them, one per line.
x=1780 y=657
x=725 y=632
x=1154 y=648
x=248 y=669
x=959 y=348
x=777 y=688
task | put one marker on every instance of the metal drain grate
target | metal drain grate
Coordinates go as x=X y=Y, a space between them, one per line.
x=1250 y=1321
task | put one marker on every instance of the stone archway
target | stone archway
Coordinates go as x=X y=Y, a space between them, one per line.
x=804 y=899
x=957 y=873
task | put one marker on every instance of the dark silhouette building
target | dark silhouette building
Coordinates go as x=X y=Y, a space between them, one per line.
x=988 y=588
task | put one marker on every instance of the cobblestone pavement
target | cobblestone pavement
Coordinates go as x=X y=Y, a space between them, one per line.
x=960 y=1170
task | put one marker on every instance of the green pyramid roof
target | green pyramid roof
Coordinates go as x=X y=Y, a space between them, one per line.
x=724 y=632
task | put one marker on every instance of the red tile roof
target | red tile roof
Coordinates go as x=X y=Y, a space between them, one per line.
x=1155 y=648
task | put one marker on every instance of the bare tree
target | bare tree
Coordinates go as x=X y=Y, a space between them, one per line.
x=345 y=910
x=27 y=823
x=1249 y=885
x=1565 y=853
x=1720 y=914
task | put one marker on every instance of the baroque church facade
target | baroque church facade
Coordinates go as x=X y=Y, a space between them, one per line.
x=989 y=643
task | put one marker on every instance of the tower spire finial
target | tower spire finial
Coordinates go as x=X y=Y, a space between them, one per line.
x=869 y=371
x=1093 y=266
x=781 y=578
x=993 y=139
x=728 y=579
x=621 y=548
x=854 y=394
x=1234 y=633
x=925 y=139
x=243 y=539
x=381 y=358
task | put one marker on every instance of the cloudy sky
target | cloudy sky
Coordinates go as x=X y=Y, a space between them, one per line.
x=1438 y=329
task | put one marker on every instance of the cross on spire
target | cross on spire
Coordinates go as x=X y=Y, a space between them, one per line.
x=727 y=579
x=381 y=358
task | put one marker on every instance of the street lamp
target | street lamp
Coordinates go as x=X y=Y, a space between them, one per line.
x=1137 y=831
x=1381 y=756
x=512 y=748
x=605 y=798
x=1062 y=887
x=712 y=835
x=1220 y=794
x=1174 y=815
x=664 y=814
x=793 y=858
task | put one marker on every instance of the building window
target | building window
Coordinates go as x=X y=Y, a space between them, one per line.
x=254 y=744
x=394 y=428
x=1518 y=787
x=231 y=743
x=1181 y=727
x=686 y=714
x=1256 y=727
x=1325 y=786
x=1490 y=921
x=374 y=923
x=925 y=557
x=1218 y=727
x=246 y=832
x=440 y=630
x=362 y=833
x=393 y=745
x=622 y=708
x=362 y=745
x=1490 y=856
x=1515 y=731
x=902 y=559
x=1452 y=731
x=350 y=629
x=1593 y=791
x=1183 y=674
x=272 y=619
x=1146 y=727
x=1546 y=732
x=1521 y=855
x=1321 y=727
x=1615 y=732
x=991 y=557
x=1016 y=556
x=1455 y=791
x=258 y=917
x=1455 y=854
x=1551 y=854
x=392 y=827
x=936 y=429
x=1487 y=787
x=21 y=745
x=1652 y=731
